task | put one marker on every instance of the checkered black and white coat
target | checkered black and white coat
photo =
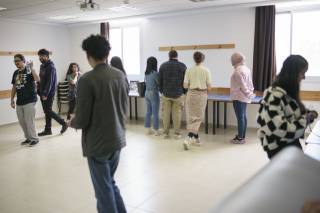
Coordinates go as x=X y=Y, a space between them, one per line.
x=280 y=118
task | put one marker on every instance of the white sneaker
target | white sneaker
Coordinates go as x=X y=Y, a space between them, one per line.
x=150 y=131
x=177 y=136
x=196 y=142
x=157 y=133
x=187 y=142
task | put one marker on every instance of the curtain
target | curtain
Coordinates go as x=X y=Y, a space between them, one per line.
x=264 y=57
x=104 y=30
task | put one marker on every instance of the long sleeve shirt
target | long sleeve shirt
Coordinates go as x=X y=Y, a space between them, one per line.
x=241 y=87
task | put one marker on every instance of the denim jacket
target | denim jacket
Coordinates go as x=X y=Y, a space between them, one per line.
x=152 y=81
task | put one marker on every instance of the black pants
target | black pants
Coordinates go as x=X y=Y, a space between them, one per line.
x=272 y=153
x=47 y=109
x=72 y=105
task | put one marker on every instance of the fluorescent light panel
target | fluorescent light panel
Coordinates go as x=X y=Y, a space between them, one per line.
x=2 y=8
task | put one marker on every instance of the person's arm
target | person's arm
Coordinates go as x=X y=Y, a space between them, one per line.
x=74 y=80
x=84 y=102
x=161 y=79
x=208 y=80
x=243 y=87
x=33 y=72
x=273 y=120
x=13 y=94
x=186 y=80
x=49 y=82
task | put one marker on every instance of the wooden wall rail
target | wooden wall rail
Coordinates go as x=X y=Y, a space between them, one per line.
x=12 y=53
x=4 y=94
x=198 y=47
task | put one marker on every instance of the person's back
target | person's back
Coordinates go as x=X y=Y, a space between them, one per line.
x=105 y=113
x=171 y=78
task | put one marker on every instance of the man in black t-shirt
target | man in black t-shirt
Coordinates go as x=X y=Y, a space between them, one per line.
x=23 y=84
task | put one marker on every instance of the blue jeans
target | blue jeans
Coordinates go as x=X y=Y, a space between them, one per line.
x=102 y=170
x=152 y=103
x=240 y=109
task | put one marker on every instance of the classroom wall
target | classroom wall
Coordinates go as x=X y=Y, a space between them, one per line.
x=210 y=27
x=20 y=36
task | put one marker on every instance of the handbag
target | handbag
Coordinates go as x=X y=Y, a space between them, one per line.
x=141 y=88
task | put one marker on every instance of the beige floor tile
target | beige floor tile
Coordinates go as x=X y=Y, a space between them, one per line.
x=154 y=175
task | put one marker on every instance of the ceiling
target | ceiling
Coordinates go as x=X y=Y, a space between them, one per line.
x=68 y=11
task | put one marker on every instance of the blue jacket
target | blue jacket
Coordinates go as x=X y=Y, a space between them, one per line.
x=48 y=79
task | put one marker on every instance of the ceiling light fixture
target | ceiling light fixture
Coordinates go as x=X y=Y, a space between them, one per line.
x=63 y=17
x=2 y=8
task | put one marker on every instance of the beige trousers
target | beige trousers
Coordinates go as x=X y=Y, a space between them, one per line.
x=172 y=106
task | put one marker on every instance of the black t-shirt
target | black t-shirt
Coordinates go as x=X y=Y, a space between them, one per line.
x=25 y=86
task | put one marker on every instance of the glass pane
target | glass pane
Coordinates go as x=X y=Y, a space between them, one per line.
x=305 y=40
x=131 y=50
x=115 y=43
x=283 y=22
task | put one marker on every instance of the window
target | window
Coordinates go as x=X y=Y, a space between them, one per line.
x=125 y=43
x=296 y=33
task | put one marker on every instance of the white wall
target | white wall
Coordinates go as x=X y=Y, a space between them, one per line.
x=19 y=36
x=215 y=27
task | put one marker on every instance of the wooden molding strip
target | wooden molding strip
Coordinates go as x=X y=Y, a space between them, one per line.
x=4 y=94
x=198 y=47
x=12 y=53
x=305 y=95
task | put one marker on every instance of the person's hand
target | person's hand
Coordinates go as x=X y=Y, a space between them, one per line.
x=44 y=98
x=30 y=64
x=311 y=207
x=311 y=116
x=13 y=104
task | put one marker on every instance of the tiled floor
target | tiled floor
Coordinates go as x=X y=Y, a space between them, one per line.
x=154 y=175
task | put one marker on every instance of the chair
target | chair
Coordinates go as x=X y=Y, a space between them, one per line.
x=63 y=90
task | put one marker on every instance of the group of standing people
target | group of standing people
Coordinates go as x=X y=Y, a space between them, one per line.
x=173 y=81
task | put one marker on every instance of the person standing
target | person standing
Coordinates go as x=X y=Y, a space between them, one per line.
x=152 y=97
x=46 y=90
x=241 y=93
x=282 y=116
x=102 y=100
x=198 y=81
x=171 y=75
x=72 y=77
x=24 y=86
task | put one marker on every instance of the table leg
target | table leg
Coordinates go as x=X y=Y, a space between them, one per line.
x=214 y=118
x=136 y=107
x=218 y=116
x=130 y=108
x=225 y=115
x=206 y=119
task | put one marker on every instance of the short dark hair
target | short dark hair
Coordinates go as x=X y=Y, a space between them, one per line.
x=20 y=56
x=96 y=46
x=43 y=52
x=173 y=54
x=198 y=57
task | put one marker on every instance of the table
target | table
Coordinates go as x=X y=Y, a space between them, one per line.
x=135 y=96
x=313 y=143
x=216 y=99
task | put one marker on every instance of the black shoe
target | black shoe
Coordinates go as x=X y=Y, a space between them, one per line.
x=45 y=132
x=25 y=142
x=32 y=143
x=64 y=128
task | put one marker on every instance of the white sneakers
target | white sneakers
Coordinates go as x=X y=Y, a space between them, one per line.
x=191 y=141
x=153 y=132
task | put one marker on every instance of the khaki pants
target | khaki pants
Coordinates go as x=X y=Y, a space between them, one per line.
x=174 y=106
